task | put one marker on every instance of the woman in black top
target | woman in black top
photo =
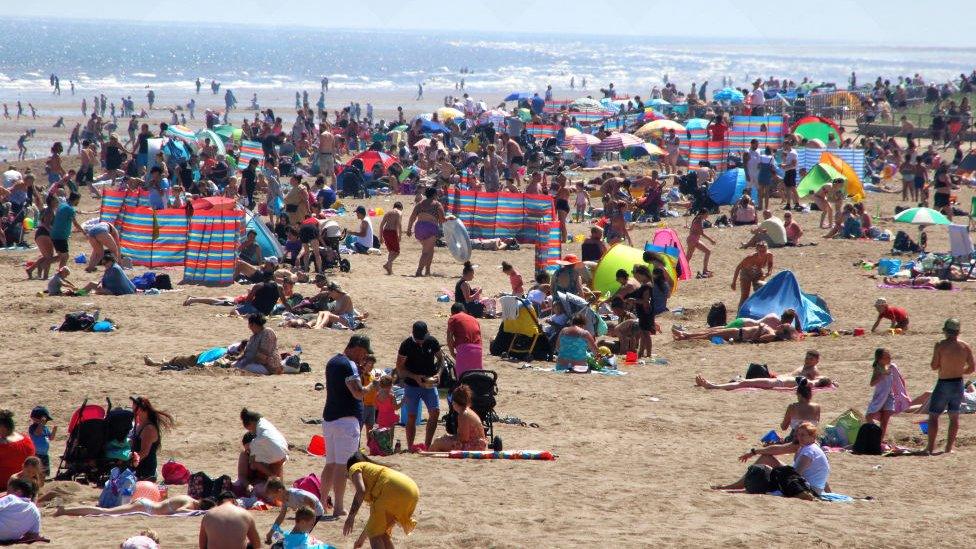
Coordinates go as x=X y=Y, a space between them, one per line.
x=642 y=301
x=467 y=294
x=146 y=436
x=249 y=177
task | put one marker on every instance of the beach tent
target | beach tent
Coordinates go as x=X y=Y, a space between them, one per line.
x=728 y=187
x=818 y=176
x=176 y=151
x=518 y=96
x=621 y=256
x=370 y=158
x=668 y=239
x=265 y=238
x=815 y=127
x=782 y=292
x=182 y=133
x=855 y=189
x=211 y=248
x=428 y=126
x=215 y=139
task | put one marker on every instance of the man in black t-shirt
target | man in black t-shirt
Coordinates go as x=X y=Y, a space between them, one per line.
x=418 y=366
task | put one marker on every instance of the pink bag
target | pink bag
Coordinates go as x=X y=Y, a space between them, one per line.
x=175 y=472
x=310 y=483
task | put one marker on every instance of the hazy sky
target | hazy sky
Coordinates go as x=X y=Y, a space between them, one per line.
x=894 y=22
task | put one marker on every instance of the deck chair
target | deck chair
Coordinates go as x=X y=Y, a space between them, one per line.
x=520 y=335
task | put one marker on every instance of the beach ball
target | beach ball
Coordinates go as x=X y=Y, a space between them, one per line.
x=380 y=211
x=28 y=224
x=146 y=489
x=316 y=446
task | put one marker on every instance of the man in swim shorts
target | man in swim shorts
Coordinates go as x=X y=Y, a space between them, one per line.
x=953 y=359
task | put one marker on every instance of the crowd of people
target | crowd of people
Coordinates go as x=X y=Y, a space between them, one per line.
x=302 y=180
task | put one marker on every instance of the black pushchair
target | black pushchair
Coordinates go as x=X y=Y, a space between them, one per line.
x=97 y=442
x=484 y=387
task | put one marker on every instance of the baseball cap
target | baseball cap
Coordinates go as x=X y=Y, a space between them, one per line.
x=420 y=330
x=360 y=341
x=951 y=325
x=40 y=412
x=361 y=209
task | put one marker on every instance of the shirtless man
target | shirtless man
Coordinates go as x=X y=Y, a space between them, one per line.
x=749 y=271
x=952 y=358
x=227 y=526
x=327 y=153
x=391 y=227
x=535 y=184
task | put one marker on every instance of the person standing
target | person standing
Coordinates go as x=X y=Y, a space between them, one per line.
x=417 y=366
x=391 y=227
x=464 y=340
x=749 y=271
x=953 y=359
x=342 y=416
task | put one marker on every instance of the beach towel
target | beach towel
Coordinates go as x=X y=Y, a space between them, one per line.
x=898 y=391
x=895 y=287
x=783 y=389
x=468 y=358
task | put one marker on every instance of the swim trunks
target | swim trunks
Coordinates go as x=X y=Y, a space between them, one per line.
x=946 y=396
x=392 y=240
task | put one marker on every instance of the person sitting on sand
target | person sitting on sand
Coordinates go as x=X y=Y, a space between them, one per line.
x=926 y=282
x=593 y=248
x=809 y=460
x=787 y=382
x=803 y=410
x=32 y=472
x=761 y=333
x=261 y=351
x=277 y=494
x=341 y=312
x=897 y=315
x=470 y=431
x=298 y=537
x=573 y=345
x=114 y=281
x=743 y=212
x=168 y=506
x=772 y=231
x=626 y=328
x=20 y=519
x=627 y=285
x=392 y=496
x=773 y=320
x=226 y=525
x=56 y=284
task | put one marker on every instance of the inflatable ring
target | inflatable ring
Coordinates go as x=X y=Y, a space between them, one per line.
x=458 y=242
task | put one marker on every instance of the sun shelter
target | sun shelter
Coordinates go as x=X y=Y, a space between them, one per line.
x=782 y=292
x=855 y=189
x=668 y=240
x=728 y=187
x=818 y=176
x=621 y=256
x=265 y=238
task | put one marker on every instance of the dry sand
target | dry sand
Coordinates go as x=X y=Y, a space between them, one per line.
x=632 y=470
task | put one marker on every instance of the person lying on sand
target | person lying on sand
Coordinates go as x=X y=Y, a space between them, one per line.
x=761 y=333
x=169 y=506
x=786 y=382
x=928 y=282
x=341 y=313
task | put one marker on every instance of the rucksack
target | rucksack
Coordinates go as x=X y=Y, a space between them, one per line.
x=756 y=370
x=80 y=321
x=868 y=441
x=757 y=479
x=175 y=472
x=904 y=243
x=787 y=480
x=717 y=315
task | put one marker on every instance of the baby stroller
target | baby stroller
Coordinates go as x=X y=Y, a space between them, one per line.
x=331 y=237
x=97 y=442
x=484 y=387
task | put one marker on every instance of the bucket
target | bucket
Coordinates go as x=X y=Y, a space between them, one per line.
x=630 y=357
x=858 y=331
x=889 y=266
x=316 y=446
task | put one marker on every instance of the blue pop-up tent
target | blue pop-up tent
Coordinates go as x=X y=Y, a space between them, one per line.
x=518 y=96
x=428 y=126
x=728 y=187
x=783 y=292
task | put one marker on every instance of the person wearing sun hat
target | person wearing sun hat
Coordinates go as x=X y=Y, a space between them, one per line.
x=952 y=359
x=567 y=278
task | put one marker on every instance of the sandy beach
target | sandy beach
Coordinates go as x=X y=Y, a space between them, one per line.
x=637 y=453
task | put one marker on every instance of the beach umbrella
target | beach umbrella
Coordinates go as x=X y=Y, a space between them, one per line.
x=449 y=113
x=433 y=127
x=424 y=143
x=815 y=127
x=816 y=144
x=525 y=115
x=618 y=141
x=370 y=158
x=696 y=124
x=215 y=139
x=649 y=149
x=922 y=216
x=400 y=128
x=731 y=95
x=584 y=140
x=586 y=103
x=571 y=132
x=214 y=203
x=657 y=127
x=659 y=103
x=182 y=133
x=650 y=114
x=518 y=96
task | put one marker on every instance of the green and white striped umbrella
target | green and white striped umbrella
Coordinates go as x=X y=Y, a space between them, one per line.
x=922 y=216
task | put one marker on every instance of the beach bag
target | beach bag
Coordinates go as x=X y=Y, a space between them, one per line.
x=163 y=282
x=717 y=315
x=849 y=423
x=77 y=322
x=380 y=441
x=144 y=281
x=787 y=480
x=310 y=483
x=175 y=472
x=202 y=486
x=757 y=479
x=448 y=377
x=118 y=488
x=756 y=370
x=868 y=441
x=904 y=243
x=834 y=437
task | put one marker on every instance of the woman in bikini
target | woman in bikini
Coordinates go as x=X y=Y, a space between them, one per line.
x=760 y=333
x=804 y=409
x=425 y=219
x=42 y=236
x=786 y=382
x=169 y=506
x=696 y=233
x=926 y=282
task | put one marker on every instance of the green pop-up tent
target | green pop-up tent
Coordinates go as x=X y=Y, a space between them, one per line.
x=818 y=176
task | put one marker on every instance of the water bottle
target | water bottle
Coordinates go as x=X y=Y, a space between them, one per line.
x=163 y=490
x=298 y=350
